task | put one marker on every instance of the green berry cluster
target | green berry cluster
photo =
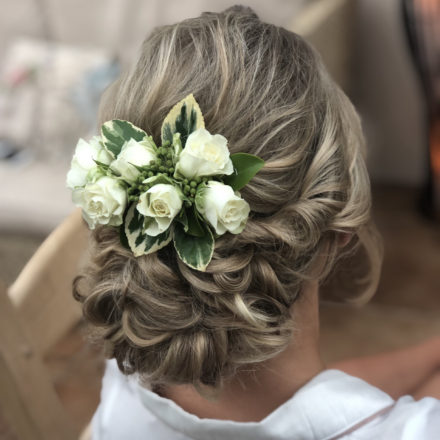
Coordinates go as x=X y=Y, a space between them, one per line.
x=164 y=161
x=189 y=187
x=163 y=165
x=133 y=194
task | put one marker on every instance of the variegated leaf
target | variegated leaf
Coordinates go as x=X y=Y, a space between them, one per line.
x=139 y=242
x=177 y=147
x=184 y=118
x=195 y=252
x=116 y=132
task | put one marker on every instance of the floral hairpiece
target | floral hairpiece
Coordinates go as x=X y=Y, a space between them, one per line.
x=186 y=190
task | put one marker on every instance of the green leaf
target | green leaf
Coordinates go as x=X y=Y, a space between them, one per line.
x=195 y=252
x=135 y=221
x=182 y=219
x=245 y=167
x=184 y=118
x=122 y=236
x=140 y=168
x=105 y=169
x=116 y=132
x=140 y=239
x=101 y=164
x=177 y=147
x=161 y=178
x=139 y=242
x=153 y=244
x=199 y=200
x=195 y=227
x=167 y=132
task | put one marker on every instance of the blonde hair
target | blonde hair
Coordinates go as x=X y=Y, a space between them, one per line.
x=266 y=90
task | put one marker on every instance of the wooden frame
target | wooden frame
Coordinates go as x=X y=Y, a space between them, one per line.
x=35 y=312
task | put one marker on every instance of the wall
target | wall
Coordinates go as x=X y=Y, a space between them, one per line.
x=388 y=95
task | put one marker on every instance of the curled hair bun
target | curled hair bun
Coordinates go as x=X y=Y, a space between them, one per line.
x=173 y=324
x=267 y=92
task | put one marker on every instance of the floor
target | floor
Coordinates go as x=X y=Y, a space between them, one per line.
x=405 y=309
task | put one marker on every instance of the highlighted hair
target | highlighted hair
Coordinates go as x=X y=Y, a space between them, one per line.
x=266 y=90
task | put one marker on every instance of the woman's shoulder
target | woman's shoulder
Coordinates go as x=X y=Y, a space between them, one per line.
x=404 y=418
x=411 y=419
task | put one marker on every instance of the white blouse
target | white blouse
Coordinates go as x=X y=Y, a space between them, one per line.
x=333 y=405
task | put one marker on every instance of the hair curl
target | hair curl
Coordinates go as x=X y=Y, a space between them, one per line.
x=266 y=90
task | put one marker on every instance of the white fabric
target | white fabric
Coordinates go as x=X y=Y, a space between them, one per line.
x=332 y=406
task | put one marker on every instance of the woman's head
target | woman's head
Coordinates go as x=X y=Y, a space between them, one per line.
x=266 y=91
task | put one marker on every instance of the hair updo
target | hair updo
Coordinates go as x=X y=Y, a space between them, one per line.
x=266 y=90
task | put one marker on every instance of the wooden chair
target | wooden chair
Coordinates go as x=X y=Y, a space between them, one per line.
x=35 y=312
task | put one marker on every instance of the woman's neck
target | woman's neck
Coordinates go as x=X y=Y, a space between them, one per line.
x=251 y=396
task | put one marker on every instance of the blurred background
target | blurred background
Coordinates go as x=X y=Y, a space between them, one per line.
x=56 y=58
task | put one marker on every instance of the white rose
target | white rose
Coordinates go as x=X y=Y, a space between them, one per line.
x=160 y=204
x=222 y=208
x=204 y=155
x=102 y=202
x=133 y=153
x=83 y=167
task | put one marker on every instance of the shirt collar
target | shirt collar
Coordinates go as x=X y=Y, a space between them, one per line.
x=329 y=404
